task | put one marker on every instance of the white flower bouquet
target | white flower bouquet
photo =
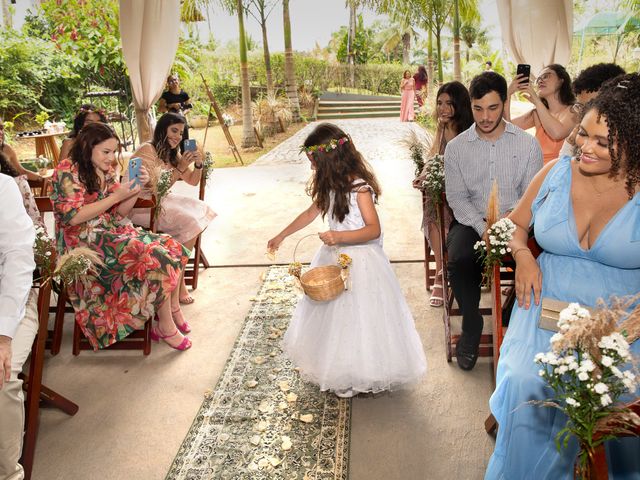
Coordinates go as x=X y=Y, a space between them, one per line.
x=495 y=246
x=433 y=182
x=162 y=189
x=227 y=119
x=589 y=368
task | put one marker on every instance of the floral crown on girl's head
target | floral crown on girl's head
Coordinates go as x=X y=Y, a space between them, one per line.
x=324 y=147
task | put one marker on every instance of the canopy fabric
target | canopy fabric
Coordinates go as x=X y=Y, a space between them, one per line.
x=608 y=23
x=149 y=30
x=537 y=32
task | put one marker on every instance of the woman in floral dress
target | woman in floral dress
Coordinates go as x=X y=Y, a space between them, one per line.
x=141 y=269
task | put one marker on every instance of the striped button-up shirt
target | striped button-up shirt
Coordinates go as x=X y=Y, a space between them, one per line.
x=472 y=163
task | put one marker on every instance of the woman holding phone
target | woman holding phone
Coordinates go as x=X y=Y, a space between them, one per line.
x=553 y=115
x=182 y=217
x=140 y=271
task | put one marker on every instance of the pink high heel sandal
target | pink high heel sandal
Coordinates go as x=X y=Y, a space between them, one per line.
x=184 y=327
x=156 y=336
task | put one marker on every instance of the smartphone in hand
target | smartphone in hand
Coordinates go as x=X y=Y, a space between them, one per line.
x=524 y=69
x=134 y=171
x=189 y=144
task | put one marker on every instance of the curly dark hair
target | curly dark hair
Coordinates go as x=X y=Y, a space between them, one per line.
x=336 y=171
x=82 y=152
x=617 y=102
x=6 y=167
x=160 y=143
x=591 y=78
x=565 y=93
x=459 y=95
x=80 y=118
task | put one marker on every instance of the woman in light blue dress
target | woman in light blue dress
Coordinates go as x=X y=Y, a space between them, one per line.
x=586 y=217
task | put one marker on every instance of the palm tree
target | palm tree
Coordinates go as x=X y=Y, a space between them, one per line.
x=467 y=11
x=248 y=135
x=6 y=15
x=263 y=9
x=289 y=66
x=398 y=34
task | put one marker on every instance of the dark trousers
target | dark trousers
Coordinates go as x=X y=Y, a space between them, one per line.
x=465 y=275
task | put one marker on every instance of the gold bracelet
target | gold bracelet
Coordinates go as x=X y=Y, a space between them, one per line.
x=513 y=254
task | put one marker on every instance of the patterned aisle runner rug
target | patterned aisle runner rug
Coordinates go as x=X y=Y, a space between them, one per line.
x=262 y=421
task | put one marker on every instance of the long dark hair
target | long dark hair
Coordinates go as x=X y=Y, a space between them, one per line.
x=421 y=74
x=617 y=101
x=160 y=143
x=462 y=115
x=82 y=151
x=336 y=169
x=6 y=167
x=565 y=93
x=81 y=117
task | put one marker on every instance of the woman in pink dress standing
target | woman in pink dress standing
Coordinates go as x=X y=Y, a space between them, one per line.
x=408 y=90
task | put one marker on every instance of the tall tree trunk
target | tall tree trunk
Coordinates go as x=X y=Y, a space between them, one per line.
x=456 y=41
x=289 y=66
x=406 y=47
x=6 y=15
x=439 y=50
x=430 y=56
x=248 y=135
x=351 y=37
x=267 y=55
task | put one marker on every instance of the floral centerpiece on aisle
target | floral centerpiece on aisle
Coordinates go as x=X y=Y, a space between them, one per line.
x=207 y=166
x=227 y=119
x=162 y=189
x=495 y=245
x=69 y=267
x=433 y=183
x=589 y=367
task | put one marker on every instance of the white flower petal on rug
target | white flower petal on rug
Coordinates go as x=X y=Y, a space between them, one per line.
x=255 y=440
x=292 y=397
x=251 y=384
x=262 y=426
x=284 y=385
x=307 y=418
x=275 y=461
x=283 y=405
x=286 y=443
x=265 y=407
x=259 y=360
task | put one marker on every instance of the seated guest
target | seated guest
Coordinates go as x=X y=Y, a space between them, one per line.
x=176 y=100
x=139 y=277
x=11 y=157
x=585 y=88
x=88 y=114
x=553 y=116
x=17 y=328
x=586 y=216
x=492 y=149
x=182 y=217
x=453 y=114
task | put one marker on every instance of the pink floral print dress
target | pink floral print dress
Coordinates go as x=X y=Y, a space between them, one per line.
x=140 y=268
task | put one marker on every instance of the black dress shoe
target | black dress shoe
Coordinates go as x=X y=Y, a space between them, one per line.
x=466 y=354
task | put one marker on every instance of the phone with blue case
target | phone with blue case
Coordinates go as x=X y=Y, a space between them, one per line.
x=189 y=144
x=134 y=171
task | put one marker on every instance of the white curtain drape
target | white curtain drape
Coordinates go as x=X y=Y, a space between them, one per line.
x=149 y=30
x=537 y=32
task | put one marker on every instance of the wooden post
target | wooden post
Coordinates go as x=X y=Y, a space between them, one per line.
x=225 y=129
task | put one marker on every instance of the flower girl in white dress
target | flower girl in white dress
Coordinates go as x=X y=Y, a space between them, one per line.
x=365 y=340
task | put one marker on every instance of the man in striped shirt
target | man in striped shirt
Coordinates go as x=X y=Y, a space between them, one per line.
x=492 y=149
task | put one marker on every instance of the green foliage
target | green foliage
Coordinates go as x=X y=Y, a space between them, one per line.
x=362 y=44
x=88 y=30
x=35 y=76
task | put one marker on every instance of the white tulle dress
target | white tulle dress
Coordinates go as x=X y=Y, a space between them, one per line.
x=365 y=340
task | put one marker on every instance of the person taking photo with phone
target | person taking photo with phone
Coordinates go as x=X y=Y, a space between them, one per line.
x=138 y=278
x=182 y=217
x=553 y=115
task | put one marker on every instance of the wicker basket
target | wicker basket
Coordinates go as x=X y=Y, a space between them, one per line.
x=324 y=283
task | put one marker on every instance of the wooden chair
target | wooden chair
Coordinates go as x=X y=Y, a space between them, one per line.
x=192 y=269
x=429 y=258
x=36 y=393
x=140 y=340
x=598 y=463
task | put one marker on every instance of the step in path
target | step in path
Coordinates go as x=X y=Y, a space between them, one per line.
x=336 y=105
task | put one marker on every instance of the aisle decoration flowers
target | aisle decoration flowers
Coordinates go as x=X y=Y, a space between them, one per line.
x=433 y=183
x=495 y=246
x=207 y=166
x=162 y=189
x=227 y=119
x=69 y=267
x=589 y=367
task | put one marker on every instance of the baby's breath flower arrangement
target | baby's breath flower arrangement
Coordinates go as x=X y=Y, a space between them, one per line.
x=589 y=367
x=207 y=166
x=69 y=267
x=433 y=182
x=162 y=189
x=495 y=247
x=227 y=119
